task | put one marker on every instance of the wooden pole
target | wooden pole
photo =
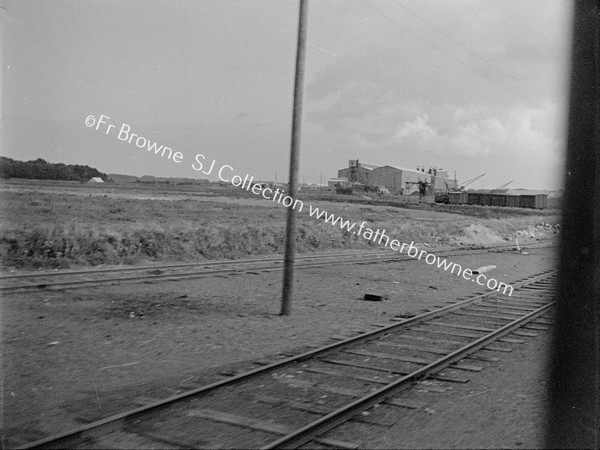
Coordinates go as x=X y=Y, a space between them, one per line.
x=290 y=241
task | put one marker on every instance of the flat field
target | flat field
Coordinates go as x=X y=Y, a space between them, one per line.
x=76 y=355
x=53 y=225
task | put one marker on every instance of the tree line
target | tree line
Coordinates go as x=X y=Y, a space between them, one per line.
x=43 y=170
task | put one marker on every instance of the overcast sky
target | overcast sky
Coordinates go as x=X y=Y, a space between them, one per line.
x=472 y=86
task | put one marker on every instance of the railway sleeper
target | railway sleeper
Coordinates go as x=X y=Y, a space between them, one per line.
x=438 y=376
x=261 y=425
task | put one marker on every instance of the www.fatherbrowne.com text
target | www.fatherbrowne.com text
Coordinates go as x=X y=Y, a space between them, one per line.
x=380 y=237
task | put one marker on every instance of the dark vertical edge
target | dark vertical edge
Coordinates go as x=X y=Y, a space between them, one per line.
x=573 y=417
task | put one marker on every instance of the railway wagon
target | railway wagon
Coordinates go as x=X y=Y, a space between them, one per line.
x=498 y=199
x=479 y=198
x=458 y=198
x=441 y=197
x=472 y=198
x=539 y=201
x=485 y=199
x=513 y=201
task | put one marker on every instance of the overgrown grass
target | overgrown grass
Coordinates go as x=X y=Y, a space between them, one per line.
x=54 y=230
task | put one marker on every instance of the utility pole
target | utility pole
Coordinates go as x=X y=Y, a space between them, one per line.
x=290 y=241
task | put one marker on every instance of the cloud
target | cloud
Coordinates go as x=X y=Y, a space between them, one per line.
x=475 y=135
x=479 y=138
x=418 y=128
x=394 y=64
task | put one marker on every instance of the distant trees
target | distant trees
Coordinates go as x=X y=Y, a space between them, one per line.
x=43 y=170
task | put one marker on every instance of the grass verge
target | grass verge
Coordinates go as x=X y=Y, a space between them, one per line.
x=60 y=230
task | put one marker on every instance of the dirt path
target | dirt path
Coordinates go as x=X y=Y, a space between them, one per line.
x=89 y=353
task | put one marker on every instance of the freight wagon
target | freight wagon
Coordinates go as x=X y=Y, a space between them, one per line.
x=498 y=199
x=513 y=201
x=479 y=198
x=539 y=201
x=458 y=198
x=482 y=198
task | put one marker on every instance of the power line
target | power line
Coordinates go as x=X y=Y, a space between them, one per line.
x=448 y=55
x=323 y=50
x=460 y=44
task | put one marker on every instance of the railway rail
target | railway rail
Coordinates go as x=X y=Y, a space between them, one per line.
x=301 y=399
x=171 y=272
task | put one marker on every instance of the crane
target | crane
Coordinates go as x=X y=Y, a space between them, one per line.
x=503 y=186
x=472 y=180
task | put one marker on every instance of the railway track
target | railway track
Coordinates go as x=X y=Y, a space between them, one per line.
x=301 y=399
x=172 y=272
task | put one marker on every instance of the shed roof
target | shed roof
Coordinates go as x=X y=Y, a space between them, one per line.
x=368 y=166
x=529 y=192
x=404 y=169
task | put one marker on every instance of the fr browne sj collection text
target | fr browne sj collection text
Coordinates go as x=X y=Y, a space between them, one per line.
x=123 y=133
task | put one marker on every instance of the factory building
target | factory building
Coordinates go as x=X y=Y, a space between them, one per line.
x=358 y=172
x=397 y=180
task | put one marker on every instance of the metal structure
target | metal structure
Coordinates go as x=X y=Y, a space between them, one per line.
x=470 y=181
x=502 y=186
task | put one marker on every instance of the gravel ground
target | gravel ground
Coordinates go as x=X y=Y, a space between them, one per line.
x=88 y=353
